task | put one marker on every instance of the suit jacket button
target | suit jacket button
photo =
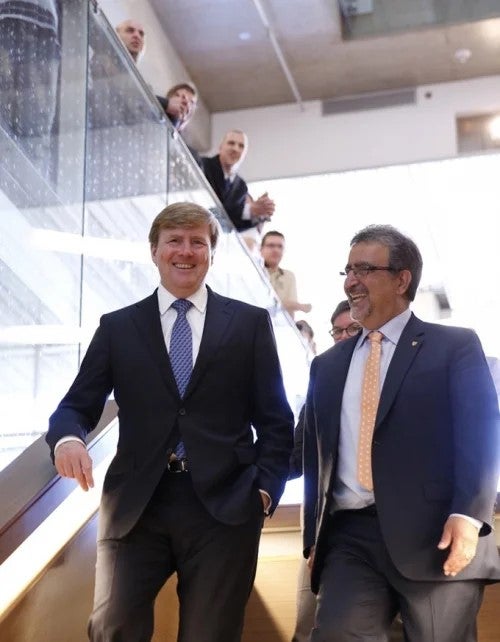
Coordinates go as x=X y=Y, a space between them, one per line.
x=182 y=411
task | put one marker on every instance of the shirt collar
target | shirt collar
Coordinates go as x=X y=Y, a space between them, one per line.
x=391 y=330
x=276 y=270
x=198 y=299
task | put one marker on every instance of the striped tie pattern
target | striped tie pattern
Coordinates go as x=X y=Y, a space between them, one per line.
x=181 y=354
x=369 y=404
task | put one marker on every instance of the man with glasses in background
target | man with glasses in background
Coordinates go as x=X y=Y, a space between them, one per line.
x=283 y=281
x=400 y=462
x=343 y=327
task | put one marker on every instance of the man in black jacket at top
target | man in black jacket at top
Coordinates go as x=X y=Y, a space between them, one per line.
x=220 y=171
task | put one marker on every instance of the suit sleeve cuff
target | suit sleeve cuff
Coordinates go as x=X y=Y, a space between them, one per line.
x=267 y=509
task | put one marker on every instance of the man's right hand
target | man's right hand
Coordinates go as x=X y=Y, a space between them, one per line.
x=72 y=460
x=177 y=107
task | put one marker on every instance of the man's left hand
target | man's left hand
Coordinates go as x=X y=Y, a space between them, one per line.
x=461 y=537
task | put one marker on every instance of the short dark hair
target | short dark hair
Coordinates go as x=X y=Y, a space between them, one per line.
x=181 y=85
x=403 y=252
x=271 y=233
x=185 y=215
x=343 y=306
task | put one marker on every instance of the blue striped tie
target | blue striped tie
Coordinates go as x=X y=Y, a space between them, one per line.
x=181 y=354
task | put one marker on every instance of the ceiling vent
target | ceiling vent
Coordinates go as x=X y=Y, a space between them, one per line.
x=379 y=100
x=351 y=8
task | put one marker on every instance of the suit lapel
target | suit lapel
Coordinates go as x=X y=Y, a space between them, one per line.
x=146 y=318
x=409 y=344
x=219 y=313
x=341 y=360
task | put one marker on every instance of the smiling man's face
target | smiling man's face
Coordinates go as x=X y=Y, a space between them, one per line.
x=183 y=257
x=379 y=296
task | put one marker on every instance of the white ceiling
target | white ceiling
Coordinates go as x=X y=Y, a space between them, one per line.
x=231 y=73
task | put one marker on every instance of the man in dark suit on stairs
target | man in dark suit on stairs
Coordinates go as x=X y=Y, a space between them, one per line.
x=188 y=488
x=232 y=191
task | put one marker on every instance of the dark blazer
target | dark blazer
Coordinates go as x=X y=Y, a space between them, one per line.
x=233 y=199
x=435 y=448
x=236 y=383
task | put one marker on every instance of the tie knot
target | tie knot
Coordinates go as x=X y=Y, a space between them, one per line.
x=375 y=336
x=181 y=306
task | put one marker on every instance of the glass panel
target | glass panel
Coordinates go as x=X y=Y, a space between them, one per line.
x=42 y=124
x=126 y=178
x=126 y=142
x=63 y=263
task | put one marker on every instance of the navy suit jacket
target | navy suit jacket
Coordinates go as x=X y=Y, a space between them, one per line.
x=234 y=198
x=236 y=384
x=434 y=452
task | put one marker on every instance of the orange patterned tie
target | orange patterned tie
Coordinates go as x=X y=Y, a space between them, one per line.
x=369 y=404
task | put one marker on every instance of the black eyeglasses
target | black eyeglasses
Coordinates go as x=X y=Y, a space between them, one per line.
x=351 y=330
x=363 y=270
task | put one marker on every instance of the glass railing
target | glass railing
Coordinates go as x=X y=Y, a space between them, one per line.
x=78 y=191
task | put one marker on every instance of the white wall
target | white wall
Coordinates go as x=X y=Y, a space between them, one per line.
x=287 y=142
x=159 y=64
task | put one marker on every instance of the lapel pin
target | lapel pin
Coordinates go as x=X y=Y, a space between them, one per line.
x=414 y=343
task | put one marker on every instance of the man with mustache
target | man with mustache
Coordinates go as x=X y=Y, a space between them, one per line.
x=400 y=462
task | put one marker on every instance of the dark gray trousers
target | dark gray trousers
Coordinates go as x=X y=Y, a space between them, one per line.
x=215 y=565
x=361 y=591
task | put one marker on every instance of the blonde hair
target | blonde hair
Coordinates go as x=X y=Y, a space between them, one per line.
x=184 y=215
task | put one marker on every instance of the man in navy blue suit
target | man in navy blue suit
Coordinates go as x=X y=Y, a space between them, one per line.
x=411 y=531
x=188 y=487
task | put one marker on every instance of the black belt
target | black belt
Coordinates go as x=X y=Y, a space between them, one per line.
x=367 y=510
x=178 y=466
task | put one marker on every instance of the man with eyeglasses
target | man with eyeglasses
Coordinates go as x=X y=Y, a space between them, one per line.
x=343 y=327
x=283 y=281
x=400 y=462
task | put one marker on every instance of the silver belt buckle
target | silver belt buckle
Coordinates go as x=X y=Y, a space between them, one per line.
x=177 y=466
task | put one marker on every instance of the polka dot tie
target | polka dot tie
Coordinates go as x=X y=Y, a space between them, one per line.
x=181 y=354
x=369 y=404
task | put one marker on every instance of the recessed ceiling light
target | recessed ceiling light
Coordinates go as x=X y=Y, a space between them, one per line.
x=244 y=35
x=462 y=55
